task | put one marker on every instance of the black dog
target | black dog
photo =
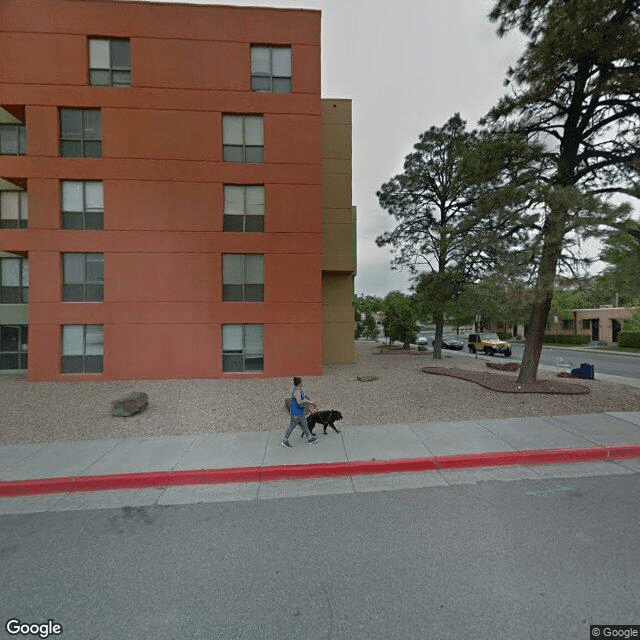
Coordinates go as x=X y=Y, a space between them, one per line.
x=325 y=418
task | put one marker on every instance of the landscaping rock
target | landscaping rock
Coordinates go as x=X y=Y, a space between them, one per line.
x=503 y=366
x=129 y=404
x=367 y=377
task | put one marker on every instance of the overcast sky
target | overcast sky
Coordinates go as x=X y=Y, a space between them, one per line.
x=407 y=65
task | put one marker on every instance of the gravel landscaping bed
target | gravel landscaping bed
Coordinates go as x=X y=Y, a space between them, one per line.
x=509 y=384
x=66 y=411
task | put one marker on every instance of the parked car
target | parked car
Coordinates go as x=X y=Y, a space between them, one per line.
x=450 y=341
x=489 y=344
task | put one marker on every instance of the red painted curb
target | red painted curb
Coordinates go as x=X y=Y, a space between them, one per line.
x=213 y=476
x=471 y=460
x=321 y=470
x=32 y=487
x=143 y=480
x=362 y=467
x=558 y=456
x=622 y=451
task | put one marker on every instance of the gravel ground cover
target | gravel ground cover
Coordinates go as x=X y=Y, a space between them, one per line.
x=67 y=411
x=510 y=384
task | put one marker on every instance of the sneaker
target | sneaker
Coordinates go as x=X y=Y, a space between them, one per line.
x=313 y=440
x=286 y=443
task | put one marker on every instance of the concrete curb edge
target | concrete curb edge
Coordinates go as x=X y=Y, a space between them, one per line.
x=153 y=479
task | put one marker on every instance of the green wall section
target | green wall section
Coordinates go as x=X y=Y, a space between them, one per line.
x=14 y=314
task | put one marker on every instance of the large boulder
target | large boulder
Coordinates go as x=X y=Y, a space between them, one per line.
x=129 y=404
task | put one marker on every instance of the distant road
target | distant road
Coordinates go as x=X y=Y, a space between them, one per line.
x=625 y=365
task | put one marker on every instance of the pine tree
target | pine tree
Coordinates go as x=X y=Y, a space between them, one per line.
x=399 y=321
x=576 y=91
x=452 y=217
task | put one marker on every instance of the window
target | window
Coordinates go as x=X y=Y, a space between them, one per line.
x=83 y=277
x=271 y=69
x=13 y=346
x=243 y=278
x=14 y=209
x=586 y=324
x=13 y=140
x=242 y=139
x=568 y=324
x=82 y=348
x=243 y=208
x=14 y=280
x=80 y=133
x=242 y=347
x=109 y=62
x=82 y=204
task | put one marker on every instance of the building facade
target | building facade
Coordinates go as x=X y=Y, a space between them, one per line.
x=175 y=196
x=600 y=325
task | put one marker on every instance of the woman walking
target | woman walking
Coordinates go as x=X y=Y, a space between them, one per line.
x=298 y=406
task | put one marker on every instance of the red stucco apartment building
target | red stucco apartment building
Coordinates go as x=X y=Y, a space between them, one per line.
x=175 y=196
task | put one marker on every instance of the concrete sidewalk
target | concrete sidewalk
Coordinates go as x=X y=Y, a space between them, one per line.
x=258 y=457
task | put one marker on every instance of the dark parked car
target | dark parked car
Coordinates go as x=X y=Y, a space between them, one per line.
x=450 y=341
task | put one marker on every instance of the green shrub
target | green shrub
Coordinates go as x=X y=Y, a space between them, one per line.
x=505 y=336
x=629 y=339
x=552 y=338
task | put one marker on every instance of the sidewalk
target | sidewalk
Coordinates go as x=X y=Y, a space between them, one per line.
x=610 y=352
x=258 y=457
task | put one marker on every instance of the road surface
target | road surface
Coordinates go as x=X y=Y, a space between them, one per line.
x=496 y=560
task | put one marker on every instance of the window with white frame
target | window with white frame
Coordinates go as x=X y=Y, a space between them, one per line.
x=270 y=68
x=80 y=133
x=82 y=348
x=82 y=277
x=242 y=277
x=242 y=347
x=109 y=62
x=14 y=210
x=13 y=140
x=242 y=139
x=82 y=204
x=243 y=207
x=14 y=280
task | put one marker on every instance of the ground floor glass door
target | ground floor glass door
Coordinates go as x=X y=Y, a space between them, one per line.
x=615 y=330
x=13 y=347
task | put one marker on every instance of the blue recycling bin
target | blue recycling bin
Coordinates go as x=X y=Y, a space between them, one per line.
x=584 y=371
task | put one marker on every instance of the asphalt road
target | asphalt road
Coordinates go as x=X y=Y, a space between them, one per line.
x=622 y=364
x=497 y=560
x=626 y=365
x=616 y=364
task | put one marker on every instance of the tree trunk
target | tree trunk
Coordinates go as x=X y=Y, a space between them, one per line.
x=437 y=347
x=534 y=338
x=543 y=294
x=439 y=318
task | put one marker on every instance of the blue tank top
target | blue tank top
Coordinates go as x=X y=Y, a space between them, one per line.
x=297 y=409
